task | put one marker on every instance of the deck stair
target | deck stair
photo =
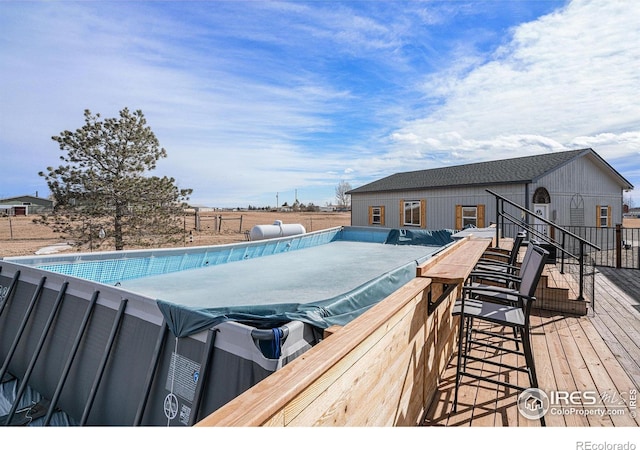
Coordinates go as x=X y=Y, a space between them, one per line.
x=567 y=266
x=559 y=292
x=556 y=291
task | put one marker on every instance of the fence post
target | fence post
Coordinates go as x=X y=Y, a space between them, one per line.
x=499 y=222
x=564 y=235
x=581 y=269
x=618 y=246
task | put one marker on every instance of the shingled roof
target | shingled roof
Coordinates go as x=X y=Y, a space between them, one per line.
x=526 y=169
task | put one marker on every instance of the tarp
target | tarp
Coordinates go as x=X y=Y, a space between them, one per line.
x=339 y=310
x=419 y=237
x=324 y=285
x=31 y=410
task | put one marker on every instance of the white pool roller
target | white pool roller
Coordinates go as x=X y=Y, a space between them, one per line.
x=278 y=229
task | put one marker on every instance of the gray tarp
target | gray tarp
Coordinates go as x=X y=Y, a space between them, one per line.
x=31 y=409
x=419 y=237
x=184 y=321
x=337 y=309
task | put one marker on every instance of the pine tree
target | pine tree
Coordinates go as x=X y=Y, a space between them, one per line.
x=103 y=192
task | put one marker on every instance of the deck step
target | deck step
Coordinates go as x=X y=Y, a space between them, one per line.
x=559 y=292
x=556 y=291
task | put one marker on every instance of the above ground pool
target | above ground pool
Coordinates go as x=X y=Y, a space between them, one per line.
x=165 y=337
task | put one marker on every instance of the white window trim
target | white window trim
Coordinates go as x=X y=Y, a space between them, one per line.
x=376 y=211
x=603 y=216
x=414 y=204
x=465 y=218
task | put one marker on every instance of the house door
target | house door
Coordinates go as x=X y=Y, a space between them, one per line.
x=541 y=210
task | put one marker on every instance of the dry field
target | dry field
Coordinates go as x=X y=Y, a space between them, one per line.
x=631 y=223
x=19 y=236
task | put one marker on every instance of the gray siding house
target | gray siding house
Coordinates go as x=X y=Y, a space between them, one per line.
x=24 y=205
x=571 y=188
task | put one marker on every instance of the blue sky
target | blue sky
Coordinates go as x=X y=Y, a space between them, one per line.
x=253 y=99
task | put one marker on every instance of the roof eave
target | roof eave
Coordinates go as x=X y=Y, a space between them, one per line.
x=448 y=186
x=624 y=183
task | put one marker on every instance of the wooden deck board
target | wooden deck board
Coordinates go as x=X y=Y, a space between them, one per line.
x=616 y=316
x=540 y=329
x=489 y=395
x=579 y=368
x=561 y=363
x=506 y=405
x=609 y=376
x=598 y=352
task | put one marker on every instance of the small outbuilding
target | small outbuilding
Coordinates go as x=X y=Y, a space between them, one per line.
x=24 y=205
x=569 y=188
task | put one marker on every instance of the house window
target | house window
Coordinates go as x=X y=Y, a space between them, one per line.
x=541 y=195
x=376 y=215
x=469 y=216
x=604 y=216
x=412 y=213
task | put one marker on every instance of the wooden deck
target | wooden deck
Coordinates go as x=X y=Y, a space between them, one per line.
x=594 y=354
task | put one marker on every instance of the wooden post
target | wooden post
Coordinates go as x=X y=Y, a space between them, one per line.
x=618 y=246
x=229 y=218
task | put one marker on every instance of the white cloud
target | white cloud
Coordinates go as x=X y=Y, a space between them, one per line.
x=248 y=103
x=565 y=80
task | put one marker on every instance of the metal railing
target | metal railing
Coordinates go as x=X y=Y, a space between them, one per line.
x=620 y=246
x=571 y=247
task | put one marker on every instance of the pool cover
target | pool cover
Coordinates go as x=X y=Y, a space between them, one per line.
x=325 y=285
x=323 y=278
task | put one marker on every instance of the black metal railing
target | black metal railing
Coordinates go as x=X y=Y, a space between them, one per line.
x=570 y=247
x=620 y=246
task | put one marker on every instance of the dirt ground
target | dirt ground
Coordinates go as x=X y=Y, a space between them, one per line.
x=631 y=223
x=19 y=236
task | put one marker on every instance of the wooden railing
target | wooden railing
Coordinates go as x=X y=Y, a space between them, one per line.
x=381 y=369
